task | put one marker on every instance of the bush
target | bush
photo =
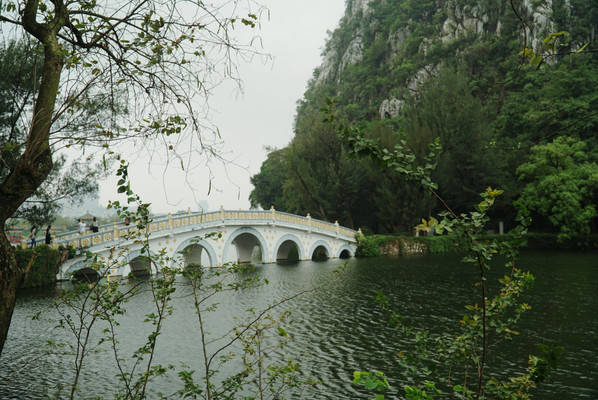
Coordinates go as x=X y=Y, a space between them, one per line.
x=71 y=252
x=535 y=241
x=44 y=266
x=548 y=241
x=368 y=246
x=443 y=244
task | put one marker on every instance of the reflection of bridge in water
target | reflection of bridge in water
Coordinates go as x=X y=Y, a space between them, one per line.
x=261 y=236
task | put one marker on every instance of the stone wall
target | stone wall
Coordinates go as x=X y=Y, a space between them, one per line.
x=401 y=246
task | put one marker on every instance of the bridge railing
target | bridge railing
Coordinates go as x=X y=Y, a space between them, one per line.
x=110 y=233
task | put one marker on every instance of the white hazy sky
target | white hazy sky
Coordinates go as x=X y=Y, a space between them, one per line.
x=262 y=116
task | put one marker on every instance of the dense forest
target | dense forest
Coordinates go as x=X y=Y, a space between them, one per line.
x=453 y=70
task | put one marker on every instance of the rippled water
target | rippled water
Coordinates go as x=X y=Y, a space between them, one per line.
x=337 y=329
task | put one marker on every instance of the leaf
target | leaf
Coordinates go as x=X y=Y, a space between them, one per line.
x=370 y=384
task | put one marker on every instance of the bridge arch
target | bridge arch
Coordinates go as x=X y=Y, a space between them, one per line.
x=81 y=271
x=137 y=263
x=191 y=250
x=284 y=245
x=244 y=240
x=345 y=251
x=320 y=244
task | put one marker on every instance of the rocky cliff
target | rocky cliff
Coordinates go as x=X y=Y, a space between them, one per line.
x=418 y=37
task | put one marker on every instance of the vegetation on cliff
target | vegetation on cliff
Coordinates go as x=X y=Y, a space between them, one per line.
x=452 y=70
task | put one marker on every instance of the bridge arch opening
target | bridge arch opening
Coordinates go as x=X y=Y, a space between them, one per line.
x=249 y=245
x=140 y=267
x=195 y=251
x=320 y=254
x=196 y=255
x=248 y=248
x=320 y=251
x=345 y=254
x=85 y=275
x=289 y=248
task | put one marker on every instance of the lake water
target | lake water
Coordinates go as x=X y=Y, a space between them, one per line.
x=337 y=329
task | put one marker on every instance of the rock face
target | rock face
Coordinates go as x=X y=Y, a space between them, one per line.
x=403 y=246
x=391 y=108
x=454 y=21
x=351 y=54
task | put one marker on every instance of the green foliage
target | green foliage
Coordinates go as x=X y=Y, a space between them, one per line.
x=312 y=175
x=368 y=246
x=41 y=265
x=550 y=242
x=538 y=369
x=426 y=391
x=439 y=244
x=20 y=72
x=269 y=182
x=562 y=185
x=553 y=44
x=448 y=111
x=443 y=244
x=67 y=252
x=373 y=381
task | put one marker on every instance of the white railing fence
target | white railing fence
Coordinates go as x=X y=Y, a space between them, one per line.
x=109 y=233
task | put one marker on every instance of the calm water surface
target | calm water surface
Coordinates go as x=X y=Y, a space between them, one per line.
x=337 y=329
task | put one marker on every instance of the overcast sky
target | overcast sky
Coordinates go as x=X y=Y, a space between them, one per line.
x=262 y=116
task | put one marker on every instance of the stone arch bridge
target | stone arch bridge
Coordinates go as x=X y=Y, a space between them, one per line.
x=264 y=236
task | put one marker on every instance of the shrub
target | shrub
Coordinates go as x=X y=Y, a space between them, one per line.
x=44 y=265
x=443 y=244
x=367 y=246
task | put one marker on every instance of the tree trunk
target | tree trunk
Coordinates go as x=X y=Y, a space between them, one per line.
x=10 y=279
x=34 y=165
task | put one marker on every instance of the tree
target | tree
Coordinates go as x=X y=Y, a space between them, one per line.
x=72 y=178
x=562 y=185
x=447 y=110
x=157 y=57
x=20 y=72
x=321 y=179
x=268 y=183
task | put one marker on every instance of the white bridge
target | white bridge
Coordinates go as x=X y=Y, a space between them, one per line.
x=238 y=237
